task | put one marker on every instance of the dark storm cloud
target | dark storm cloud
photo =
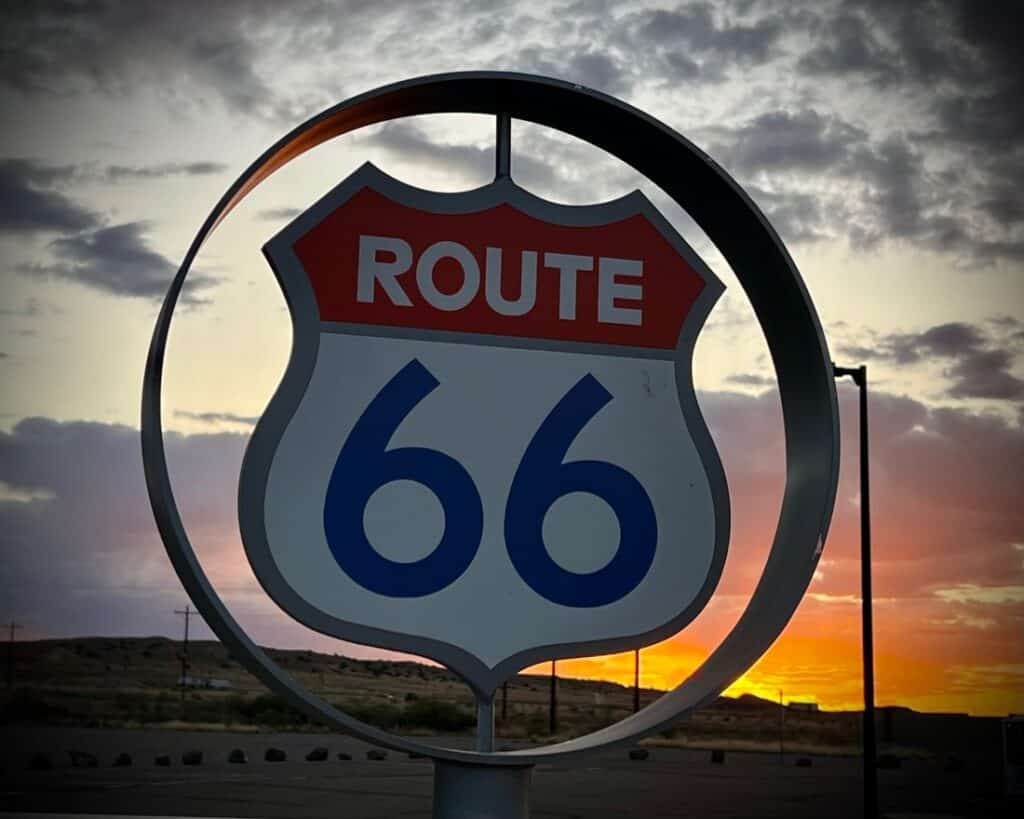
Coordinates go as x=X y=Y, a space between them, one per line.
x=699 y=41
x=584 y=64
x=962 y=61
x=784 y=140
x=63 y=48
x=986 y=374
x=851 y=46
x=695 y=27
x=966 y=55
x=595 y=69
x=952 y=340
x=798 y=217
x=898 y=43
x=117 y=173
x=887 y=192
x=973 y=364
x=28 y=203
x=118 y=260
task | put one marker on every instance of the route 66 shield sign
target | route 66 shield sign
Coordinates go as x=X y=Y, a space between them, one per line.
x=486 y=448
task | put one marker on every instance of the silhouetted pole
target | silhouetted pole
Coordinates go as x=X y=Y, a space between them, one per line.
x=10 y=655
x=860 y=378
x=553 y=706
x=184 y=650
x=636 y=680
x=782 y=730
x=504 y=701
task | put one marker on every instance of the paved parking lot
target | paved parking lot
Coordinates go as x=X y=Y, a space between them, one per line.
x=671 y=783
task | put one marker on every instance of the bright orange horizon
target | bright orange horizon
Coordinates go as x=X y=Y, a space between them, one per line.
x=948 y=598
x=805 y=668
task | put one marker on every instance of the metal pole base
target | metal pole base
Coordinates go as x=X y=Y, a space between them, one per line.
x=481 y=791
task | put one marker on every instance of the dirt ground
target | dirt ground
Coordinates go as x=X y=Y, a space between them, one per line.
x=672 y=782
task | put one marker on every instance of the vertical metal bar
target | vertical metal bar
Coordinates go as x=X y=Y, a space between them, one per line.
x=485 y=724
x=504 y=701
x=636 y=680
x=867 y=640
x=503 y=147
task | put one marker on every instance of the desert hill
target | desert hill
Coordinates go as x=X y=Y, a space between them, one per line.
x=135 y=681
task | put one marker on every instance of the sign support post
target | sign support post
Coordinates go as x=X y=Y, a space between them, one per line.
x=485 y=724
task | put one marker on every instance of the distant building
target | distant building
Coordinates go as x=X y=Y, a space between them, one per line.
x=204 y=682
x=803 y=706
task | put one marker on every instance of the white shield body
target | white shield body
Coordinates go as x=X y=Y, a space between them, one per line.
x=486 y=411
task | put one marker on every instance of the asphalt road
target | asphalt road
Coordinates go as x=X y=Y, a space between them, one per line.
x=670 y=783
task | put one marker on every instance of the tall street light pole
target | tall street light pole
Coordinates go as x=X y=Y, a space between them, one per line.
x=860 y=378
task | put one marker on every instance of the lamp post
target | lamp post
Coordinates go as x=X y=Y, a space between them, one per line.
x=860 y=378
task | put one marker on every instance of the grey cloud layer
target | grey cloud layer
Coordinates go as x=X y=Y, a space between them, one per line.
x=936 y=163
x=217 y=418
x=116 y=259
x=28 y=204
x=117 y=173
x=88 y=535
x=961 y=61
x=60 y=48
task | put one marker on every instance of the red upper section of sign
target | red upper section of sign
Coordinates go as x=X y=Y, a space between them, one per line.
x=376 y=261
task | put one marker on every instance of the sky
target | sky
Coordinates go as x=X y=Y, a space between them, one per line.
x=882 y=140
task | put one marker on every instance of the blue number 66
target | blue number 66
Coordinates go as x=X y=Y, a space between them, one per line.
x=542 y=477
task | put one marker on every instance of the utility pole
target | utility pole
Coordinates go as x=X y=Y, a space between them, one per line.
x=10 y=655
x=782 y=730
x=184 y=650
x=636 y=680
x=860 y=378
x=553 y=707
